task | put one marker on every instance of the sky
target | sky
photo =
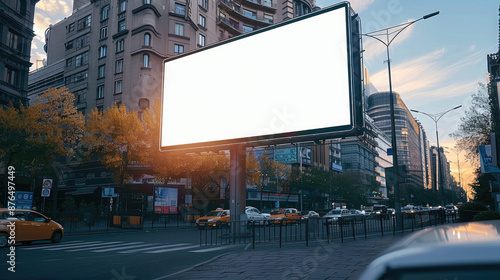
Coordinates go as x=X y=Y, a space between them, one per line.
x=435 y=63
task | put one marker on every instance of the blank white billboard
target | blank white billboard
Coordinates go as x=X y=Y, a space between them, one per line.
x=287 y=80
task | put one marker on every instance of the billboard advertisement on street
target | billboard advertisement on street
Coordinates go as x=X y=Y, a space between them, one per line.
x=165 y=200
x=222 y=94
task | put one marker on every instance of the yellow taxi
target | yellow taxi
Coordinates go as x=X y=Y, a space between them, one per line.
x=216 y=218
x=287 y=215
x=26 y=226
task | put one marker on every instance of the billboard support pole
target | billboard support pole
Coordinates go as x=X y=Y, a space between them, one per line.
x=237 y=187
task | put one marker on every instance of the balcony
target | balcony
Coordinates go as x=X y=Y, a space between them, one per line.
x=231 y=27
x=263 y=5
x=237 y=12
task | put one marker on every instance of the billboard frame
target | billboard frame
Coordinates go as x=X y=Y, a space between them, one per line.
x=355 y=110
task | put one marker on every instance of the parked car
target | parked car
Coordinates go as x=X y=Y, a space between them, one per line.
x=471 y=250
x=309 y=214
x=216 y=218
x=253 y=214
x=380 y=209
x=334 y=215
x=451 y=209
x=368 y=212
x=391 y=211
x=29 y=226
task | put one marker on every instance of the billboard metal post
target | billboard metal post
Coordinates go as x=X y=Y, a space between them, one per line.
x=237 y=187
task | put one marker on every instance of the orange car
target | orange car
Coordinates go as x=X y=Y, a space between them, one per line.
x=215 y=218
x=287 y=215
x=26 y=226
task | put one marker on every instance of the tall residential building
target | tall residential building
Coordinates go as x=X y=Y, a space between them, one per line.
x=16 y=31
x=407 y=133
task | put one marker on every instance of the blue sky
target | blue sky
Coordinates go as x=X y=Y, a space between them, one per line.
x=435 y=64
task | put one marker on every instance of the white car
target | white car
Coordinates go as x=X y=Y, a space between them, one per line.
x=334 y=214
x=253 y=214
x=454 y=251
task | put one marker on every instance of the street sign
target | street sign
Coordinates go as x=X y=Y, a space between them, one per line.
x=23 y=200
x=108 y=192
x=45 y=192
x=286 y=155
x=47 y=184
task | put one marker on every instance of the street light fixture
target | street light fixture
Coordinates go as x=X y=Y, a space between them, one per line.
x=436 y=118
x=387 y=36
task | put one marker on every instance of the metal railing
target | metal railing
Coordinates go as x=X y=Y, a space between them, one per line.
x=320 y=229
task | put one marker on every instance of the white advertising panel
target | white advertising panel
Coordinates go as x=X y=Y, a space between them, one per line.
x=287 y=80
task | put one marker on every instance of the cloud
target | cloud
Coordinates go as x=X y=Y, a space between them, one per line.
x=54 y=7
x=430 y=75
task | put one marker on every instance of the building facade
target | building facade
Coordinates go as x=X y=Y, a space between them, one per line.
x=407 y=133
x=16 y=31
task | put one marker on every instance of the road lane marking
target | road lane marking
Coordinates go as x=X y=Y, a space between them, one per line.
x=210 y=249
x=121 y=248
x=153 y=248
x=109 y=244
x=64 y=246
x=173 y=249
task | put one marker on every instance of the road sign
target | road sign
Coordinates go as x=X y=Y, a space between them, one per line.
x=47 y=183
x=108 y=192
x=45 y=192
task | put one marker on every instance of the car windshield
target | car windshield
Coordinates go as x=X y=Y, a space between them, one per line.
x=450 y=207
x=334 y=212
x=277 y=212
x=213 y=213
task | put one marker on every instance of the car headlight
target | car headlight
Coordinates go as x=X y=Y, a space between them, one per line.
x=211 y=220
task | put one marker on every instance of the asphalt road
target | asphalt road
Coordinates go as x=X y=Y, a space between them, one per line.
x=117 y=256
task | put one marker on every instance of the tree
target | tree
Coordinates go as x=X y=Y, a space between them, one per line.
x=475 y=127
x=114 y=137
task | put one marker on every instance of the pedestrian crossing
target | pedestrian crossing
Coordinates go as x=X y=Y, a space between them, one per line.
x=122 y=247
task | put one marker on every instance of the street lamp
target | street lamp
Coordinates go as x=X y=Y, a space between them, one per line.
x=387 y=36
x=436 y=118
x=457 y=152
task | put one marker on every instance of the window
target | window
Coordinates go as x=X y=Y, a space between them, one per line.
x=268 y=18
x=101 y=72
x=146 y=1
x=80 y=77
x=119 y=66
x=84 y=22
x=178 y=49
x=122 y=6
x=179 y=29
x=121 y=25
x=247 y=29
x=11 y=76
x=105 y=12
x=118 y=87
x=69 y=62
x=102 y=51
x=201 y=40
x=146 y=61
x=204 y=4
x=203 y=21
x=100 y=92
x=81 y=59
x=147 y=39
x=268 y=3
x=80 y=96
x=82 y=41
x=15 y=41
x=71 y=27
x=104 y=32
x=120 y=45
x=250 y=14
x=180 y=9
x=100 y=109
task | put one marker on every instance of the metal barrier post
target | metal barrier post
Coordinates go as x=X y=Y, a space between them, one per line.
x=381 y=225
x=253 y=234
x=393 y=225
x=327 y=231
x=281 y=224
x=364 y=225
x=353 y=230
x=341 y=229
x=307 y=232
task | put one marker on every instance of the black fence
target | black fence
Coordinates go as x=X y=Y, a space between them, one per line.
x=306 y=230
x=77 y=222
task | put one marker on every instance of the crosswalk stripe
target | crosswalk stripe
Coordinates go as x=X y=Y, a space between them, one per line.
x=77 y=246
x=155 y=247
x=121 y=248
x=209 y=249
x=37 y=247
x=173 y=249
x=110 y=244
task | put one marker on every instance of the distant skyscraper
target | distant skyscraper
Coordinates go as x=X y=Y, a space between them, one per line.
x=407 y=133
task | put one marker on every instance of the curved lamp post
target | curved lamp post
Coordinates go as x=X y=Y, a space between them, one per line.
x=436 y=118
x=386 y=36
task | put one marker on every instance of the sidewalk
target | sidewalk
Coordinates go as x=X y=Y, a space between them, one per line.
x=319 y=260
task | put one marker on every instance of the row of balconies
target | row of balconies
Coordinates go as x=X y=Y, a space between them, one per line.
x=229 y=6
